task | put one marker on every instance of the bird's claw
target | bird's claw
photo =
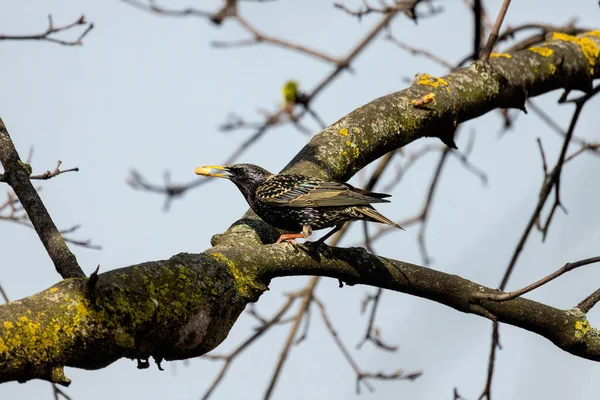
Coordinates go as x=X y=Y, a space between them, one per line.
x=322 y=248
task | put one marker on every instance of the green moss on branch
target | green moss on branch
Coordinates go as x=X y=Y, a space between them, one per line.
x=174 y=309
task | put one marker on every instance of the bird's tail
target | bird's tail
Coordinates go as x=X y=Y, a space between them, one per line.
x=373 y=214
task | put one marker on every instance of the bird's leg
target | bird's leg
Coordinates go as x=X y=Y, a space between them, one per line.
x=329 y=234
x=291 y=237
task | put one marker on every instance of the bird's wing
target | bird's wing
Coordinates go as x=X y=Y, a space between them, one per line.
x=300 y=191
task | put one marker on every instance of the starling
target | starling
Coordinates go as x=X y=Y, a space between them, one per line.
x=299 y=203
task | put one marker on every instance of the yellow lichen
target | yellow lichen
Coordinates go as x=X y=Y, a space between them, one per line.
x=500 y=55
x=356 y=130
x=344 y=132
x=552 y=68
x=52 y=290
x=245 y=281
x=354 y=147
x=592 y=33
x=426 y=79
x=3 y=347
x=542 y=51
x=581 y=328
x=588 y=47
x=36 y=337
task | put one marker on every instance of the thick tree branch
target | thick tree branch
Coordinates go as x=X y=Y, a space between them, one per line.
x=174 y=309
x=185 y=306
x=17 y=175
x=393 y=121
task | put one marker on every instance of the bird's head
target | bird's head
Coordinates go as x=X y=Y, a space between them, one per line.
x=247 y=177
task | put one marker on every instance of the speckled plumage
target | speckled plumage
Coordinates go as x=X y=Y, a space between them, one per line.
x=301 y=203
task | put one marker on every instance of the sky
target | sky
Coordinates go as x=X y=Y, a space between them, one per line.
x=149 y=93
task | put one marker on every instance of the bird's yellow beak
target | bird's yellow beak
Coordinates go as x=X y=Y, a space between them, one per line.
x=205 y=171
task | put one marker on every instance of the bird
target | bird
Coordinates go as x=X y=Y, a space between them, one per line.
x=299 y=203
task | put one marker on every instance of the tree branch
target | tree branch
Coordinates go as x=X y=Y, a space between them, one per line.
x=17 y=174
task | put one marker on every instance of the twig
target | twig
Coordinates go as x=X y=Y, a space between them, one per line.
x=17 y=215
x=48 y=175
x=545 y=191
x=487 y=390
x=478 y=27
x=57 y=392
x=589 y=302
x=17 y=175
x=152 y=7
x=361 y=377
x=406 y=6
x=306 y=300
x=260 y=37
x=511 y=295
x=3 y=294
x=419 y=52
x=549 y=183
x=238 y=350
x=47 y=35
x=372 y=334
x=427 y=206
x=464 y=159
x=489 y=46
x=541 y=37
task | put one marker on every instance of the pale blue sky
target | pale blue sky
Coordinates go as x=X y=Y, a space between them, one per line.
x=149 y=92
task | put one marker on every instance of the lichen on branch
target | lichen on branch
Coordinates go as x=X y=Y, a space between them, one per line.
x=174 y=309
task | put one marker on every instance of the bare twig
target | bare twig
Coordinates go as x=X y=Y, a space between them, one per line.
x=259 y=332
x=260 y=37
x=57 y=171
x=17 y=175
x=540 y=37
x=478 y=27
x=511 y=295
x=419 y=52
x=305 y=303
x=216 y=17
x=361 y=376
x=489 y=46
x=427 y=206
x=589 y=302
x=3 y=294
x=49 y=35
x=58 y=393
x=551 y=180
x=372 y=334
x=408 y=7
x=487 y=390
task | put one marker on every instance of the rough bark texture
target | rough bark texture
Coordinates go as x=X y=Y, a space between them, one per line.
x=171 y=310
x=185 y=306
x=16 y=174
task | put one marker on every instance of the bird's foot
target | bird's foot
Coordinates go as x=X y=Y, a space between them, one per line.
x=322 y=247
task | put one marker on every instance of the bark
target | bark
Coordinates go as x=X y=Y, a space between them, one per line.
x=185 y=306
